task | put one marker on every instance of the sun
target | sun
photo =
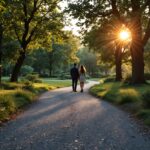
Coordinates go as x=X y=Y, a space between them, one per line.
x=125 y=35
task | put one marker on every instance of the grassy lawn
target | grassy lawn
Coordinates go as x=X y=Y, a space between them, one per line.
x=56 y=82
x=14 y=96
x=134 y=98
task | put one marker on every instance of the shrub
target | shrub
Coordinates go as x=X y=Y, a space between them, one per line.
x=33 y=78
x=7 y=106
x=10 y=102
x=11 y=86
x=128 y=96
x=64 y=76
x=146 y=99
x=110 y=79
x=26 y=70
x=147 y=76
x=28 y=85
x=24 y=94
x=22 y=98
x=127 y=79
x=145 y=114
x=7 y=103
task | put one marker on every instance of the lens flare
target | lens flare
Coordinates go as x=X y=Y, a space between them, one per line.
x=125 y=35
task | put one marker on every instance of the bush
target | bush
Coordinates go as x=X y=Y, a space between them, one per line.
x=128 y=79
x=28 y=85
x=10 y=86
x=147 y=76
x=64 y=76
x=146 y=99
x=128 y=96
x=7 y=106
x=26 y=70
x=10 y=102
x=145 y=114
x=110 y=79
x=33 y=78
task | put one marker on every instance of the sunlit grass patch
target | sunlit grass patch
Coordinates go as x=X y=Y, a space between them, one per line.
x=14 y=96
x=133 y=98
x=128 y=96
x=57 y=83
x=11 y=101
x=43 y=86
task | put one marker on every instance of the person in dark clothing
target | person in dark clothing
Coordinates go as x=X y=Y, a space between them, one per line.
x=75 y=76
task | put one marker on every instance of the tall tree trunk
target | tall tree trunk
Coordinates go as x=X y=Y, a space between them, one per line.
x=118 y=63
x=137 y=52
x=16 y=69
x=1 y=37
x=137 y=64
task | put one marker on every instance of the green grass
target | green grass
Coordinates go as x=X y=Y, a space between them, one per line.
x=12 y=100
x=57 y=83
x=135 y=98
x=145 y=114
x=14 y=96
x=5 y=78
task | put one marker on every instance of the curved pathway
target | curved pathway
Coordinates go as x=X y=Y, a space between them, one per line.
x=64 y=120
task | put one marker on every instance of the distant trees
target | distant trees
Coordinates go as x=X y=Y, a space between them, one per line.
x=90 y=60
x=55 y=61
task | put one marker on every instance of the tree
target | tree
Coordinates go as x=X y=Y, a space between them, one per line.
x=55 y=60
x=63 y=53
x=103 y=40
x=89 y=60
x=3 y=11
x=32 y=22
x=132 y=13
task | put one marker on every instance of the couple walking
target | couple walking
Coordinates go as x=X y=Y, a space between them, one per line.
x=77 y=75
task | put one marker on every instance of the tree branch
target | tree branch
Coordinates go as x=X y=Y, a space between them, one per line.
x=114 y=9
x=17 y=35
x=147 y=3
x=147 y=34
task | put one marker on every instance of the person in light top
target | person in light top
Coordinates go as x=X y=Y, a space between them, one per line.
x=82 y=72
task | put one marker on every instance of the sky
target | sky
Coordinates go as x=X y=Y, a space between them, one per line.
x=72 y=22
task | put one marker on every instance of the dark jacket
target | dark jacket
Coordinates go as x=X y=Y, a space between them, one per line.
x=74 y=73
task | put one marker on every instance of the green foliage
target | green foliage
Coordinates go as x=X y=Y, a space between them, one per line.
x=89 y=60
x=109 y=79
x=11 y=101
x=128 y=78
x=14 y=96
x=129 y=96
x=56 y=82
x=145 y=115
x=33 y=78
x=64 y=76
x=146 y=99
x=26 y=70
x=133 y=98
x=10 y=85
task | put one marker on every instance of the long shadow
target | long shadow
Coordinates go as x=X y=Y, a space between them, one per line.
x=102 y=128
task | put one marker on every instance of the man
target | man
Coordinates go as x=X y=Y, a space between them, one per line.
x=74 y=75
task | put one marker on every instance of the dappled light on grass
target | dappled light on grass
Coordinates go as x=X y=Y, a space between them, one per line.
x=133 y=98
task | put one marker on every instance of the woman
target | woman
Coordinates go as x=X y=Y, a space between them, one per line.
x=82 y=72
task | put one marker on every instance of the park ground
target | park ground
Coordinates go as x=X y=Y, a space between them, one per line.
x=134 y=99
x=66 y=120
x=15 y=96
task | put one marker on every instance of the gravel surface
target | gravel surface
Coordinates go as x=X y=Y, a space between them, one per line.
x=64 y=120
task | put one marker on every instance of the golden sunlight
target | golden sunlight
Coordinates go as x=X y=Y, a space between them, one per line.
x=125 y=35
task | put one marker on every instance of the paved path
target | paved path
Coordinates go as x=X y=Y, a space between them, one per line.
x=63 y=120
